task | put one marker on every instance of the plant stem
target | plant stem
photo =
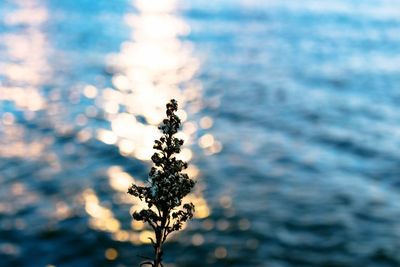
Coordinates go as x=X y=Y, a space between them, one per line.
x=158 y=249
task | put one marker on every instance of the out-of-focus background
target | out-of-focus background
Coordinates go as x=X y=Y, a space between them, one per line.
x=291 y=123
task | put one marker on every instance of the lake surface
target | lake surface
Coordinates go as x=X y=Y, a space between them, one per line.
x=291 y=121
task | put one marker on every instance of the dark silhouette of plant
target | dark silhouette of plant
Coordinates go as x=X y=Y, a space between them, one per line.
x=166 y=187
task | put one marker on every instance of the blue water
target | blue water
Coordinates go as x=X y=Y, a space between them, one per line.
x=291 y=117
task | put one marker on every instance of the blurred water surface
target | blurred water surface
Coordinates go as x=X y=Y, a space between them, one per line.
x=291 y=123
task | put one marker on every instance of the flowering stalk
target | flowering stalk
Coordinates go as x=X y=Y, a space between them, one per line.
x=166 y=188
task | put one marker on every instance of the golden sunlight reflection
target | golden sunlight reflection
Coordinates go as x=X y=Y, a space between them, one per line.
x=111 y=254
x=23 y=70
x=151 y=68
x=119 y=180
x=102 y=217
